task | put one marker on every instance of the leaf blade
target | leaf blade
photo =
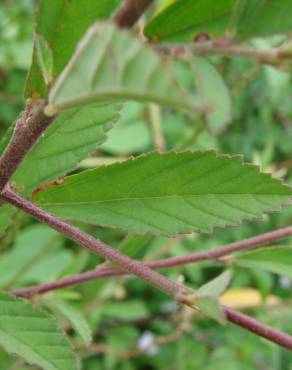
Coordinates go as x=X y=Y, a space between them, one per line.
x=167 y=193
x=115 y=73
x=60 y=25
x=31 y=333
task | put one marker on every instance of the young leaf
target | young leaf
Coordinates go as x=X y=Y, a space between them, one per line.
x=66 y=142
x=167 y=193
x=211 y=307
x=73 y=316
x=111 y=64
x=45 y=59
x=31 y=334
x=183 y=20
x=274 y=259
x=212 y=89
x=207 y=296
x=59 y=24
x=217 y=286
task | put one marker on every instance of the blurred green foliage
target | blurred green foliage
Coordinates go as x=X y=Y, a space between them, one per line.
x=124 y=314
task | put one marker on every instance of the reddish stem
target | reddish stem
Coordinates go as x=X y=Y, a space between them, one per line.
x=96 y=246
x=212 y=254
x=256 y=327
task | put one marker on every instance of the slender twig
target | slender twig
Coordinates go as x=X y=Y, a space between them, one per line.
x=96 y=246
x=28 y=129
x=258 y=328
x=130 y=12
x=211 y=255
x=273 y=56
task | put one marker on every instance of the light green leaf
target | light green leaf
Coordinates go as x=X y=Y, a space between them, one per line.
x=183 y=20
x=211 y=307
x=30 y=244
x=6 y=213
x=274 y=259
x=167 y=193
x=217 y=286
x=60 y=24
x=129 y=310
x=45 y=59
x=107 y=65
x=31 y=334
x=65 y=143
x=212 y=90
x=208 y=294
x=73 y=316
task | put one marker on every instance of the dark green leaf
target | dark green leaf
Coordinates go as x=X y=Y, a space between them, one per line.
x=184 y=19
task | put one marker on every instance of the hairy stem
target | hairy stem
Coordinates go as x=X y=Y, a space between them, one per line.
x=273 y=56
x=122 y=261
x=211 y=255
x=246 y=322
x=130 y=12
x=28 y=129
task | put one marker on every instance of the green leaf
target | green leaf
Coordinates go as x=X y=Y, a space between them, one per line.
x=30 y=244
x=107 y=65
x=129 y=310
x=274 y=259
x=183 y=20
x=207 y=296
x=69 y=139
x=60 y=24
x=217 y=286
x=134 y=246
x=167 y=193
x=254 y=18
x=73 y=316
x=45 y=59
x=211 y=307
x=31 y=334
x=212 y=90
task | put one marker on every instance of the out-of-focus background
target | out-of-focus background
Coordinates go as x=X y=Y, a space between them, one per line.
x=135 y=326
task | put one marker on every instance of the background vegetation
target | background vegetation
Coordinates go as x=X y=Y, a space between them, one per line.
x=133 y=325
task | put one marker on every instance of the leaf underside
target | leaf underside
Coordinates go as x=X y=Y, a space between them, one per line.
x=167 y=193
x=31 y=334
x=60 y=25
x=107 y=65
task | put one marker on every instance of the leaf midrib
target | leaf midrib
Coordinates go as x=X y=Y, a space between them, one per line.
x=158 y=197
